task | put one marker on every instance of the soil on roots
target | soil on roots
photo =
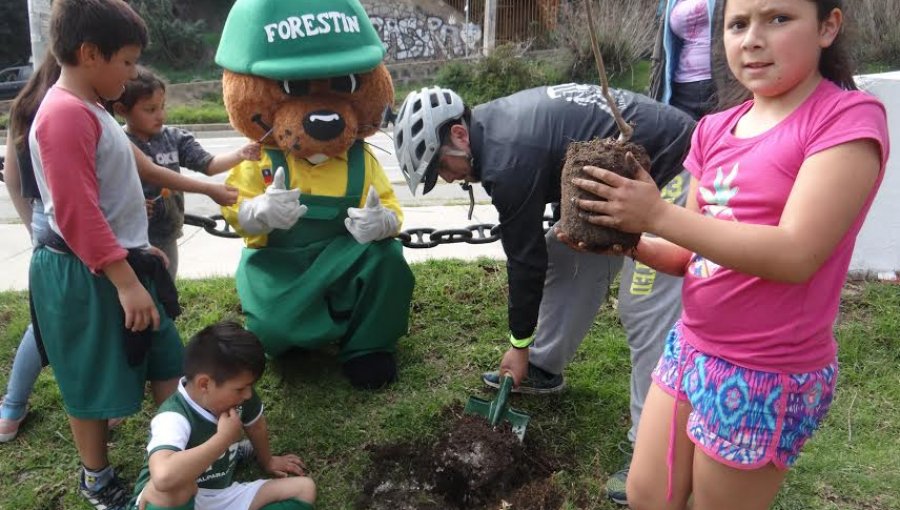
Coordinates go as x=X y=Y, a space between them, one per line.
x=469 y=466
x=610 y=155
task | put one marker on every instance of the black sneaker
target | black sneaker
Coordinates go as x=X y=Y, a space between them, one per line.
x=537 y=382
x=112 y=496
x=615 y=485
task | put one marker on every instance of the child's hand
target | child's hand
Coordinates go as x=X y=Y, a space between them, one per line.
x=629 y=205
x=230 y=426
x=285 y=465
x=250 y=152
x=149 y=204
x=156 y=252
x=140 y=310
x=222 y=194
x=615 y=250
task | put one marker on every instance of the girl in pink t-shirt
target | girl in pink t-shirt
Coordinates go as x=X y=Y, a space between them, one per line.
x=781 y=186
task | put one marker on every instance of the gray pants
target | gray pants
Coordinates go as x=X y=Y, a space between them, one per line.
x=649 y=304
x=171 y=250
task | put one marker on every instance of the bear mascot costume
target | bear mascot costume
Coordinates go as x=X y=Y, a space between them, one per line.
x=317 y=212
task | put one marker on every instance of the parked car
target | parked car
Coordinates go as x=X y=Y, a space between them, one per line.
x=13 y=79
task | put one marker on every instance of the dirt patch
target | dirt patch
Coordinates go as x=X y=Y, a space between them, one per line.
x=469 y=466
x=610 y=155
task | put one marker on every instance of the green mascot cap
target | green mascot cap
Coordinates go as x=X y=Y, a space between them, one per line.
x=299 y=39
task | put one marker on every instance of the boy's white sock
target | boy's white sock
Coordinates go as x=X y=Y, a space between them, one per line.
x=96 y=480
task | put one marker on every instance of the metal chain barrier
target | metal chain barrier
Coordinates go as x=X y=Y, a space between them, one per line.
x=211 y=225
x=416 y=238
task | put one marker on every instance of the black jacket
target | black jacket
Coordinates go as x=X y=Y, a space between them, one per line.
x=519 y=144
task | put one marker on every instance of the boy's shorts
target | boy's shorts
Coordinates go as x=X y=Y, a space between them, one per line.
x=741 y=417
x=150 y=506
x=237 y=496
x=82 y=327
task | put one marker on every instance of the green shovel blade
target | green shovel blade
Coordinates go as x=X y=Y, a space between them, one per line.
x=497 y=411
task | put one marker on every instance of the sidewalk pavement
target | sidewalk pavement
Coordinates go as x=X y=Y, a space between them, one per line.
x=202 y=255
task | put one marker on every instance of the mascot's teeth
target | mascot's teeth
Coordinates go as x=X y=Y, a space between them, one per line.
x=286 y=86
x=325 y=118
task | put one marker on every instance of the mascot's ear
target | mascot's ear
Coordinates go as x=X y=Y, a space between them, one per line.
x=376 y=93
x=251 y=102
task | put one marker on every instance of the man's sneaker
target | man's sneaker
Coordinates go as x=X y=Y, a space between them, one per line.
x=245 y=451
x=9 y=428
x=112 y=496
x=537 y=382
x=615 y=486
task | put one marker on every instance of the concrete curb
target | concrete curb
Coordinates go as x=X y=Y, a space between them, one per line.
x=199 y=128
x=194 y=128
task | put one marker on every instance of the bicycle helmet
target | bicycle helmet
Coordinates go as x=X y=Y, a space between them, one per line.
x=416 y=133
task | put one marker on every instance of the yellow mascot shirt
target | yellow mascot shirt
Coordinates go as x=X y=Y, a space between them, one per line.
x=327 y=179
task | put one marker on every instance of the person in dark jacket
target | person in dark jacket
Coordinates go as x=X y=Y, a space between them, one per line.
x=515 y=147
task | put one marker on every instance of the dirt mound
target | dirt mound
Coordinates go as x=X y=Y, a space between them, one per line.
x=470 y=466
x=610 y=155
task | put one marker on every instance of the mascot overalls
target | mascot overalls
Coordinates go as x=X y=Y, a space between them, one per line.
x=317 y=212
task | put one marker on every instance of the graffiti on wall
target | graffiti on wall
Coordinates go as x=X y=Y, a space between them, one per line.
x=426 y=37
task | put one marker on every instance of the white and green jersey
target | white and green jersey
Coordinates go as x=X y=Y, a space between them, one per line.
x=181 y=424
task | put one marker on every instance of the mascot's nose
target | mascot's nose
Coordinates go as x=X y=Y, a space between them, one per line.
x=324 y=125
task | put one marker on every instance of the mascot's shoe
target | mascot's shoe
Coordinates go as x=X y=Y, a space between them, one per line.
x=371 y=371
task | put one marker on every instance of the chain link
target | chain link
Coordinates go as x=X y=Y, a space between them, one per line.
x=415 y=238
x=211 y=225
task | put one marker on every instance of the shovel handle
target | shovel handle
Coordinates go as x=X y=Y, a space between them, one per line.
x=498 y=409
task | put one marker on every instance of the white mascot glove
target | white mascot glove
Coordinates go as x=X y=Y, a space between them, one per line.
x=373 y=222
x=276 y=208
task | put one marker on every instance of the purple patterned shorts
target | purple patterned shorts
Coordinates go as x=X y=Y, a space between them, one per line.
x=744 y=418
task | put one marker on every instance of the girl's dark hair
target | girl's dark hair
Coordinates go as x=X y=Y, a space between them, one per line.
x=144 y=85
x=109 y=24
x=224 y=351
x=25 y=106
x=836 y=63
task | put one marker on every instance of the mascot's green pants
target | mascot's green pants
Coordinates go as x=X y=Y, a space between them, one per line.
x=314 y=284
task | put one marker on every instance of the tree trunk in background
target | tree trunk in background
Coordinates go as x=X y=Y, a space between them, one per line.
x=490 y=26
x=39 y=26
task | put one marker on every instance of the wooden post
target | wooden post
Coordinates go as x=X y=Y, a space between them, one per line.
x=490 y=26
x=39 y=27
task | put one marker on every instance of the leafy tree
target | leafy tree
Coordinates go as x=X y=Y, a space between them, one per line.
x=175 y=42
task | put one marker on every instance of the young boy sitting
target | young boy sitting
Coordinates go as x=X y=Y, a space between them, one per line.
x=192 y=450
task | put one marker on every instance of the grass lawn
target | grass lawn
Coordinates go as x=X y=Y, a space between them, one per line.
x=458 y=321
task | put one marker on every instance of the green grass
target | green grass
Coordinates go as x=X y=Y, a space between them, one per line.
x=205 y=112
x=203 y=71
x=456 y=331
x=637 y=79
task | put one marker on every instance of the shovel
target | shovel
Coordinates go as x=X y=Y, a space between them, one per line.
x=497 y=411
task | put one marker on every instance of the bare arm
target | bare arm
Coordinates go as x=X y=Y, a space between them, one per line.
x=822 y=206
x=14 y=185
x=171 y=470
x=258 y=433
x=224 y=162
x=140 y=310
x=160 y=176
x=278 y=465
x=662 y=255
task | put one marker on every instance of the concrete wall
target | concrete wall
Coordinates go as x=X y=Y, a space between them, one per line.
x=877 y=250
x=423 y=30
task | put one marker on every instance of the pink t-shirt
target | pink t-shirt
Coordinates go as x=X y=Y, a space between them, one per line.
x=690 y=23
x=747 y=320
